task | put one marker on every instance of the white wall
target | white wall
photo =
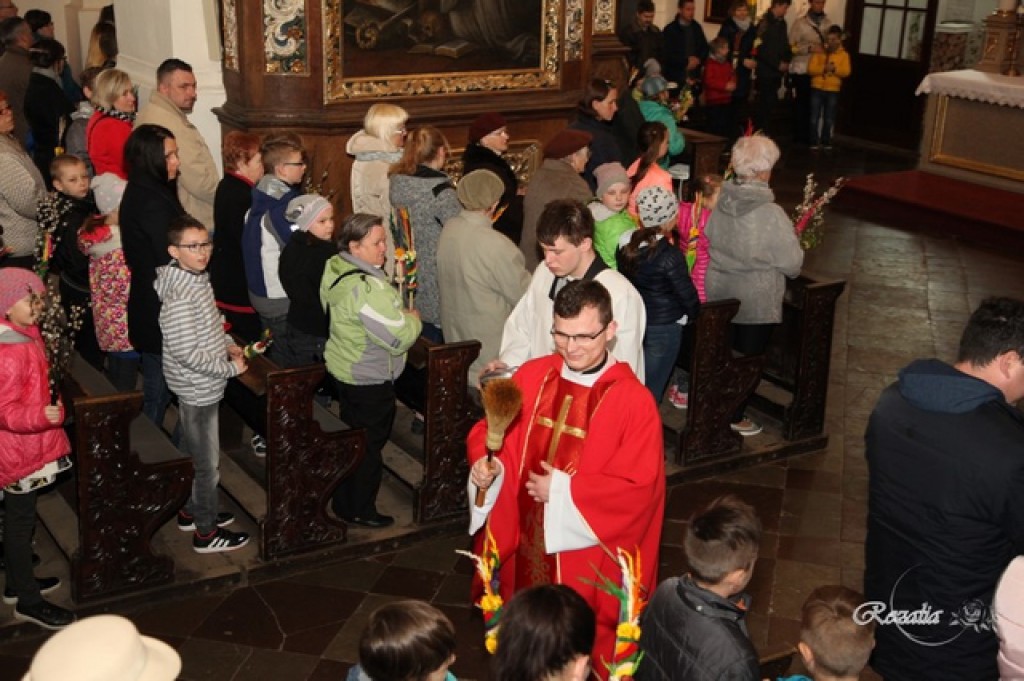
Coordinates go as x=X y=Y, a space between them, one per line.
x=150 y=31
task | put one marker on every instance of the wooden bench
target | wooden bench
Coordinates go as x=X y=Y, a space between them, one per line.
x=795 y=368
x=719 y=383
x=309 y=451
x=130 y=480
x=800 y=356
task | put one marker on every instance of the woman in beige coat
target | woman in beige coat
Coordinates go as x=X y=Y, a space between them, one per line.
x=375 y=148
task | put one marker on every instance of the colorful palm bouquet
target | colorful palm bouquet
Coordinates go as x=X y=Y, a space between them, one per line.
x=490 y=603
x=406 y=268
x=809 y=215
x=260 y=346
x=630 y=594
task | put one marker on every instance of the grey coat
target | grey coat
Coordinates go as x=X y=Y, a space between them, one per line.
x=753 y=248
x=431 y=201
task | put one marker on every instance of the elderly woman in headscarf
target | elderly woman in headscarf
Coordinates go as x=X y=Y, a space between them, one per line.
x=488 y=140
x=753 y=248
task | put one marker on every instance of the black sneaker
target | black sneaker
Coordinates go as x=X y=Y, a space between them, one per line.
x=187 y=523
x=377 y=520
x=46 y=615
x=46 y=585
x=219 y=541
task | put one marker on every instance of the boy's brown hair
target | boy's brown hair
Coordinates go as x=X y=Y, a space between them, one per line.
x=277 y=148
x=722 y=538
x=841 y=647
x=406 y=641
x=62 y=161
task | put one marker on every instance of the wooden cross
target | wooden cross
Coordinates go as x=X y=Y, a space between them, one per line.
x=559 y=427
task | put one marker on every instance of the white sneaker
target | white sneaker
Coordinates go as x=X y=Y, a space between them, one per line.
x=746 y=427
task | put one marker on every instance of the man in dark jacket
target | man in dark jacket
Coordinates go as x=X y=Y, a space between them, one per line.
x=686 y=46
x=945 y=450
x=642 y=37
x=772 y=53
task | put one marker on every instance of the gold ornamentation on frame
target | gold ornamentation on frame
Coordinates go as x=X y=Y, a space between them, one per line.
x=604 y=17
x=573 y=30
x=339 y=87
x=230 y=34
x=284 y=37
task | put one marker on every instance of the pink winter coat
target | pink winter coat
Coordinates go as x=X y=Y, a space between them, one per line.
x=27 y=440
x=695 y=246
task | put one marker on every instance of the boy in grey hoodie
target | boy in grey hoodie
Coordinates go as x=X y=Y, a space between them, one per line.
x=198 y=360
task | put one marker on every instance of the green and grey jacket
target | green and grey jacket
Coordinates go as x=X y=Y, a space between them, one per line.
x=370 y=332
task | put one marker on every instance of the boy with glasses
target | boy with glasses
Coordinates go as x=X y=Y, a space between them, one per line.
x=267 y=231
x=198 y=359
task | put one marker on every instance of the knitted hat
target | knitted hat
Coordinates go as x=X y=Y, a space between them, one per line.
x=15 y=284
x=608 y=175
x=566 y=143
x=656 y=206
x=304 y=210
x=480 y=189
x=104 y=647
x=485 y=124
x=653 y=86
x=108 y=189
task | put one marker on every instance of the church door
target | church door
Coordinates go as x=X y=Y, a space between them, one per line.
x=890 y=44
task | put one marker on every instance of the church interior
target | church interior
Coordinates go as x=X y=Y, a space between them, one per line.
x=925 y=229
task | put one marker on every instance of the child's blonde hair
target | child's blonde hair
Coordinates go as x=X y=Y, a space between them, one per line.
x=840 y=645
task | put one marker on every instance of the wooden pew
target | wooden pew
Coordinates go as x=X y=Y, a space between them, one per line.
x=309 y=451
x=800 y=355
x=130 y=480
x=449 y=415
x=719 y=382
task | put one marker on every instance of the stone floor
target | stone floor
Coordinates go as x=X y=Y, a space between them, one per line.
x=908 y=295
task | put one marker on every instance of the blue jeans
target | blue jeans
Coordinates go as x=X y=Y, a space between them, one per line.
x=823 y=115
x=661 y=347
x=201 y=440
x=156 y=396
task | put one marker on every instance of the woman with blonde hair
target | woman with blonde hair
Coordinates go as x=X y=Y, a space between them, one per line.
x=102 y=46
x=113 y=98
x=421 y=190
x=376 y=148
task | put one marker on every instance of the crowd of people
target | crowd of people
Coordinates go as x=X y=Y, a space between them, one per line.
x=582 y=285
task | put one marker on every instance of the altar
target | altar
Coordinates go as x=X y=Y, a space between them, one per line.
x=974 y=128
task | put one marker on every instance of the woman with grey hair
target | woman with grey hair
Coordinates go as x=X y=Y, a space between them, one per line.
x=753 y=248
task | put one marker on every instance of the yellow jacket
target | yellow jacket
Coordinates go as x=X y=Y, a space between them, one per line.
x=830 y=82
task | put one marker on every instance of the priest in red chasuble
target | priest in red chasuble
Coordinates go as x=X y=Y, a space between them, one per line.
x=581 y=472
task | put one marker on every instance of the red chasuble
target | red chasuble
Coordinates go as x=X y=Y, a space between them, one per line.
x=608 y=438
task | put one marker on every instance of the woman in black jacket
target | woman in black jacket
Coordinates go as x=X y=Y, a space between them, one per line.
x=46 y=107
x=594 y=114
x=488 y=140
x=149 y=205
x=653 y=263
x=243 y=168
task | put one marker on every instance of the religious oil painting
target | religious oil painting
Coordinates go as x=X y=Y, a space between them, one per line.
x=380 y=48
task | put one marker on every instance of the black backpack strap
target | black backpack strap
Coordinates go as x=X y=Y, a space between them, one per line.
x=342 y=276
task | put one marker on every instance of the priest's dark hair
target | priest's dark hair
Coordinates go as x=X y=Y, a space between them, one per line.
x=543 y=630
x=576 y=295
x=565 y=218
x=995 y=328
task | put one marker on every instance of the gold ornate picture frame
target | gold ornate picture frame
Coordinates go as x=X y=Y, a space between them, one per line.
x=479 y=70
